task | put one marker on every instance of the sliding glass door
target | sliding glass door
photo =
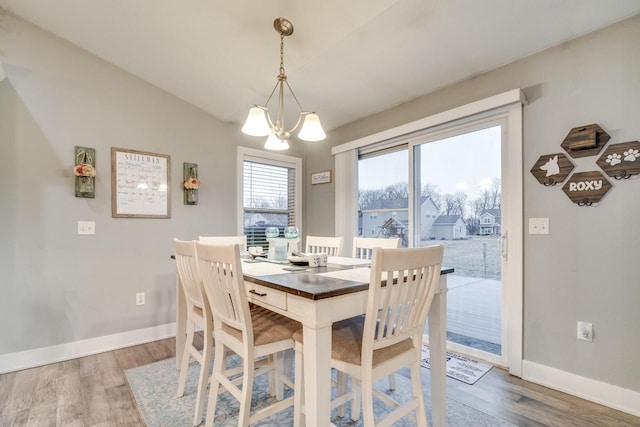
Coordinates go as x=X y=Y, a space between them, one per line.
x=458 y=202
x=454 y=178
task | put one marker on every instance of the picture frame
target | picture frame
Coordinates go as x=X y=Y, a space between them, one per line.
x=321 y=177
x=140 y=184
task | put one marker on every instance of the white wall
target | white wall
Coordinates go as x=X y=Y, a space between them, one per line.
x=58 y=287
x=586 y=269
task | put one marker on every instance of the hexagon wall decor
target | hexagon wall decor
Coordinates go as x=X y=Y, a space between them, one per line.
x=552 y=169
x=621 y=161
x=585 y=141
x=586 y=188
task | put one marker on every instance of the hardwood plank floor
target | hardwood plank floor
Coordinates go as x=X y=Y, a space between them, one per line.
x=92 y=391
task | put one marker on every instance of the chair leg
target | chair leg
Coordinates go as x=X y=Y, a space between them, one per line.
x=298 y=397
x=247 y=388
x=416 y=385
x=279 y=372
x=356 y=404
x=366 y=391
x=392 y=382
x=186 y=358
x=272 y=375
x=218 y=369
x=203 y=380
x=342 y=389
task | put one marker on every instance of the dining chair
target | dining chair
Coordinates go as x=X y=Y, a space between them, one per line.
x=198 y=314
x=363 y=246
x=252 y=332
x=363 y=249
x=331 y=246
x=402 y=285
x=225 y=240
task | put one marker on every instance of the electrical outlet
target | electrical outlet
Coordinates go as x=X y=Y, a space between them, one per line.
x=140 y=298
x=585 y=331
x=86 y=227
x=538 y=225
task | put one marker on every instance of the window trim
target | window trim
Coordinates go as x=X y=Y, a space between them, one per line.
x=268 y=157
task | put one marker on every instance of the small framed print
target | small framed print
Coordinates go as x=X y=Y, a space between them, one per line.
x=321 y=177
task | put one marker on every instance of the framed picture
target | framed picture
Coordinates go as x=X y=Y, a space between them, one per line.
x=140 y=184
x=321 y=177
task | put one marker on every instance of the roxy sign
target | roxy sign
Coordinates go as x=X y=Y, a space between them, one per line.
x=586 y=188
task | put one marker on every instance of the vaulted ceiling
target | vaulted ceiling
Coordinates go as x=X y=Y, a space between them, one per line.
x=345 y=60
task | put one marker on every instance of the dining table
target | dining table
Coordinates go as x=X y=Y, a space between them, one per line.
x=317 y=297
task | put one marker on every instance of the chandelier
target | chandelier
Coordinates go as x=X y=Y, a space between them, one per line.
x=259 y=122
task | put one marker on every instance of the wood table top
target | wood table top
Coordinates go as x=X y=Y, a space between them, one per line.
x=312 y=284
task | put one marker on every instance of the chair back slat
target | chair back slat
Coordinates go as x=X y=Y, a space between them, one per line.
x=363 y=246
x=331 y=246
x=401 y=289
x=223 y=282
x=187 y=266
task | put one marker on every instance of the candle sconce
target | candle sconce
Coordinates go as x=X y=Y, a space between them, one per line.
x=85 y=172
x=191 y=183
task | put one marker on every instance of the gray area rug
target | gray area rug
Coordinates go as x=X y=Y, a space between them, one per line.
x=154 y=387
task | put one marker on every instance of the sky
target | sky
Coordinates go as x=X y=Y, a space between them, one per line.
x=464 y=163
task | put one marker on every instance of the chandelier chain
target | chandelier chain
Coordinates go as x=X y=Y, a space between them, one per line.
x=282 y=74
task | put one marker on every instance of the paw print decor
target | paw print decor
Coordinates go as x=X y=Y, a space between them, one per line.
x=585 y=141
x=621 y=161
x=552 y=169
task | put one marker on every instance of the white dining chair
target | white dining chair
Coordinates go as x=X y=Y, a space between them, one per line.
x=331 y=246
x=225 y=240
x=198 y=314
x=252 y=332
x=388 y=337
x=363 y=249
x=363 y=246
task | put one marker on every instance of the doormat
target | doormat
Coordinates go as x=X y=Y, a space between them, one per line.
x=459 y=367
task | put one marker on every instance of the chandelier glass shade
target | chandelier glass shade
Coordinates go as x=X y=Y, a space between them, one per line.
x=259 y=122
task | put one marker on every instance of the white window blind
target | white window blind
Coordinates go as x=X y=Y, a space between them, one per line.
x=269 y=193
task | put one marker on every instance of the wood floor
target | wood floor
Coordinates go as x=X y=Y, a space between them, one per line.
x=92 y=391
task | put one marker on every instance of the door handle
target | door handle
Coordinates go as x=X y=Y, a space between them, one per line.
x=503 y=244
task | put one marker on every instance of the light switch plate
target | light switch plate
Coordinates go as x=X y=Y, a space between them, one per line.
x=86 y=227
x=538 y=225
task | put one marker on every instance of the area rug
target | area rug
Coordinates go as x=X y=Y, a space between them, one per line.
x=458 y=367
x=154 y=387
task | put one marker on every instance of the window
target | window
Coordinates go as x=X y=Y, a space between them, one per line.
x=269 y=195
x=486 y=220
x=387 y=191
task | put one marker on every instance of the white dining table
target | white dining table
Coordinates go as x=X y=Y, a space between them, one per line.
x=318 y=297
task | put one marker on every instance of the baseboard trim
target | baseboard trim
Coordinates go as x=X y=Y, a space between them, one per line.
x=615 y=397
x=43 y=356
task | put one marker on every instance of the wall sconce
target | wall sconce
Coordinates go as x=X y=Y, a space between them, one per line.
x=191 y=183
x=85 y=172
